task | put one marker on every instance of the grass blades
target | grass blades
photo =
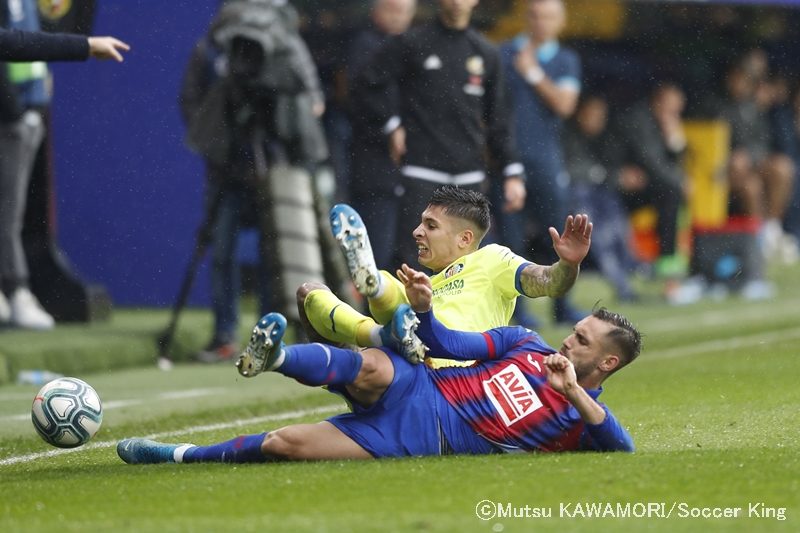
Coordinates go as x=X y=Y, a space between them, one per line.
x=712 y=403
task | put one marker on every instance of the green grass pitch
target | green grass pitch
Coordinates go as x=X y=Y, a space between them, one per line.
x=713 y=405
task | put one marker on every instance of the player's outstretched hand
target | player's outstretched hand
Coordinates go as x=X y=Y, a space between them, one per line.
x=560 y=373
x=418 y=288
x=107 y=48
x=573 y=245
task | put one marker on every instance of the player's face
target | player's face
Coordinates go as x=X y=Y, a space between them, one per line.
x=439 y=239
x=545 y=20
x=585 y=346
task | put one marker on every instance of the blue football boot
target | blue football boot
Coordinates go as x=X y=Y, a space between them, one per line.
x=351 y=234
x=265 y=350
x=400 y=335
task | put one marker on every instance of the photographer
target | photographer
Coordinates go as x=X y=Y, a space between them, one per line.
x=251 y=100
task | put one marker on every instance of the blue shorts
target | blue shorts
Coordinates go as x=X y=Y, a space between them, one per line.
x=404 y=421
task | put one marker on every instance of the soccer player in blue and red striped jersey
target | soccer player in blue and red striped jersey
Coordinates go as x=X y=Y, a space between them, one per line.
x=519 y=395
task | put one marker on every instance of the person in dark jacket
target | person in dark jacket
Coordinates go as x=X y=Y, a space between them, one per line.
x=19 y=45
x=247 y=109
x=593 y=190
x=760 y=177
x=23 y=96
x=652 y=144
x=375 y=188
x=451 y=107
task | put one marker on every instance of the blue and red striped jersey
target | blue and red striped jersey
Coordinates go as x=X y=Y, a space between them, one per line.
x=505 y=396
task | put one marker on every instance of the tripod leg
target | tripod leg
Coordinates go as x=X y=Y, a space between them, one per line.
x=166 y=339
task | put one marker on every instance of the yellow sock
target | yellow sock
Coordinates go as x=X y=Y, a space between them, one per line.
x=394 y=294
x=337 y=321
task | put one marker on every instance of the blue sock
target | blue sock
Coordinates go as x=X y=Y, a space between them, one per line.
x=243 y=449
x=320 y=364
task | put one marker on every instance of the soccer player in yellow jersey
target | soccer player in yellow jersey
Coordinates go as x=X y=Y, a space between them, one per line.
x=474 y=289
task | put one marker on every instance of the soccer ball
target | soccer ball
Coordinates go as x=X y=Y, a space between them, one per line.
x=67 y=412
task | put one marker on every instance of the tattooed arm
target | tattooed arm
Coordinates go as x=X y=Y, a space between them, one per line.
x=571 y=247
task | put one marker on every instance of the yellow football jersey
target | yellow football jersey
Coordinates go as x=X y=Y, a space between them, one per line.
x=477 y=292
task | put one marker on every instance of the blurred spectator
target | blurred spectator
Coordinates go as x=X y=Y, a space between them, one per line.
x=25 y=96
x=593 y=190
x=650 y=143
x=18 y=147
x=760 y=178
x=375 y=187
x=544 y=82
x=755 y=64
x=786 y=124
x=329 y=39
x=451 y=108
x=250 y=99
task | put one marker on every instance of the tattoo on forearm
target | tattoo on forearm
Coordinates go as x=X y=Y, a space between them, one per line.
x=554 y=280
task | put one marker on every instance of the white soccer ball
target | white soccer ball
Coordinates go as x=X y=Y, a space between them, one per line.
x=67 y=412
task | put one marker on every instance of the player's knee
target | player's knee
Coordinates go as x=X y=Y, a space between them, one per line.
x=306 y=288
x=369 y=365
x=782 y=168
x=282 y=444
x=739 y=163
x=376 y=371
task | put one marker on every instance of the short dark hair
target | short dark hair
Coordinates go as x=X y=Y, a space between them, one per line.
x=623 y=334
x=464 y=204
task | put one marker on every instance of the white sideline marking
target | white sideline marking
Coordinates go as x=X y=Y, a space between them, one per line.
x=167 y=434
x=717 y=318
x=190 y=393
x=732 y=343
x=692 y=349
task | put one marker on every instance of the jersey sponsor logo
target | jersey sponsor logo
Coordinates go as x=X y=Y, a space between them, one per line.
x=452 y=270
x=432 y=63
x=451 y=287
x=511 y=394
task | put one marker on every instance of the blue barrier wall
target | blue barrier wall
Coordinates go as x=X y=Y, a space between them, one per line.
x=128 y=193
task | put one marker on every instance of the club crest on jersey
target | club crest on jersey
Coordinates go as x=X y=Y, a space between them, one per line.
x=475 y=66
x=511 y=394
x=475 y=69
x=54 y=9
x=452 y=270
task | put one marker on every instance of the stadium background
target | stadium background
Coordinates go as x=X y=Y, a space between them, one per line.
x=128 y=194
x=713 y=404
